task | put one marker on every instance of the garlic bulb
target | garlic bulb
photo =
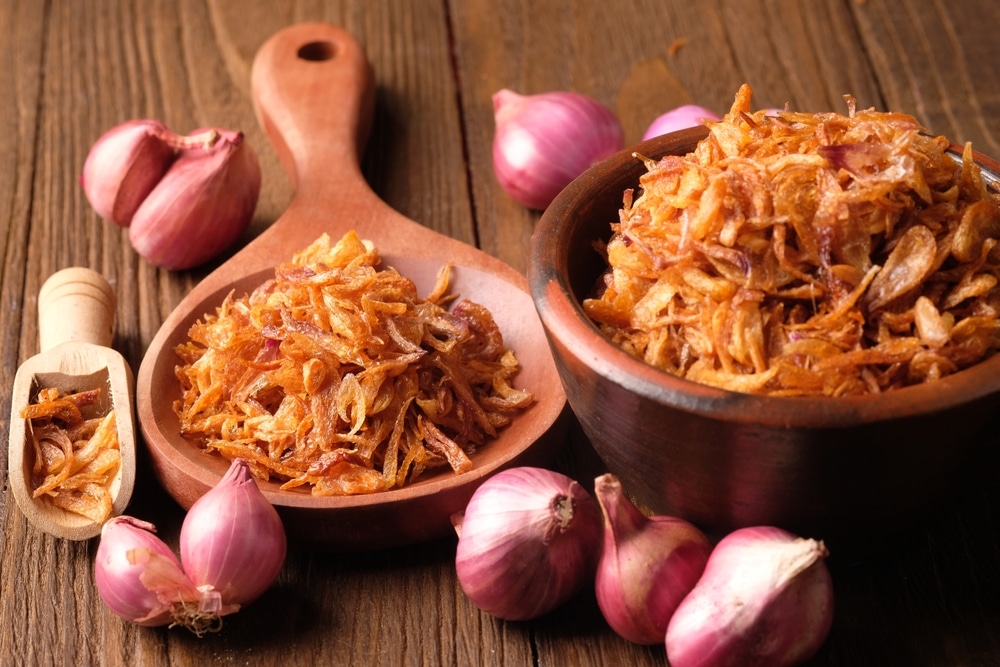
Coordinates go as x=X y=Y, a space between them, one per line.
x=648 y=565
x=544 y=142
x=529 y=540
x=766 y=598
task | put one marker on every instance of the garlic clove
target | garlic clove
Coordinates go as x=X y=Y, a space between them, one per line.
x=543 y=142
x=123 y=166
x=529 y=539
x=648 y=565
x=766 y=598
x=203 y=203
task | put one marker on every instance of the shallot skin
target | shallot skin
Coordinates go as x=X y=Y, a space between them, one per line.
x=765 y=600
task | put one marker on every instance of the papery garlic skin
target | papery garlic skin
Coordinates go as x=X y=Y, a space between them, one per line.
x=680 y=118
x=529 y=540
x=648 y=565
x=765 y=599
x=203 y=203
x=123 y=166
x=544 y=142
x=232 y=541
x=136 y=574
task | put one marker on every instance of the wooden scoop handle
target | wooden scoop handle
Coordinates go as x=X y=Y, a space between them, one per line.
x=75 y=305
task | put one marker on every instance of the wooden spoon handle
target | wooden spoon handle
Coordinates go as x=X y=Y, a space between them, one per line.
x=314 y=94
x=313 y=91
x=75 y=304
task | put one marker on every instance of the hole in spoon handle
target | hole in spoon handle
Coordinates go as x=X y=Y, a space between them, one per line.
x=75 y=304
x=313 y=93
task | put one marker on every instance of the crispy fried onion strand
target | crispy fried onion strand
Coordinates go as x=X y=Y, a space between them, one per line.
x=76 y=457
x=806 y=255
x=335 y=376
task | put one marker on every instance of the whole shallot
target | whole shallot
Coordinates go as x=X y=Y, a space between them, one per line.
x=766 y=598
x=543 y=142
x=233 y=542
x=185 y=199
x=648 y=565
x=529 y=539
x=681 y=118
x=138 y=577
x=232 y=547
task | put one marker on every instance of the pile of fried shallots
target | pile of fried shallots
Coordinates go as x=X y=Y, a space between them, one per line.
x=807 y=254
x=337 y=377
x=76 y=451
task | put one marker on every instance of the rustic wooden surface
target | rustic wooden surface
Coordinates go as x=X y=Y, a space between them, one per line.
x=69 y=70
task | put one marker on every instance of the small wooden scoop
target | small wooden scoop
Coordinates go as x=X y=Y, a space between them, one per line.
x=76 y=308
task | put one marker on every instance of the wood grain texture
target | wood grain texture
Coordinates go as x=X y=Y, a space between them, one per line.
x=70 y=70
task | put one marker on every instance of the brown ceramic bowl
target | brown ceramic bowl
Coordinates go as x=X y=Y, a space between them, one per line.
x=830 y=467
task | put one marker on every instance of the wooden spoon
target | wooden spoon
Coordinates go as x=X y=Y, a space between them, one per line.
x=313 y=92
x=76 y=308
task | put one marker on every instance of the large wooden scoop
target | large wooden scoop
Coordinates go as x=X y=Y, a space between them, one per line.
x=76 y=308
x=313 y=91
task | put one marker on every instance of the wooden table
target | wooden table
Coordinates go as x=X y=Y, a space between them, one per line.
x=69 y=70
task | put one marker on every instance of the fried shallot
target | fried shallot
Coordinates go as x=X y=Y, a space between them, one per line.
x=76 y=455
x=806 y=254
x=335 y=376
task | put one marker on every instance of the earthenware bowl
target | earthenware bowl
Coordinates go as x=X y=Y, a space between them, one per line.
x=825 y=466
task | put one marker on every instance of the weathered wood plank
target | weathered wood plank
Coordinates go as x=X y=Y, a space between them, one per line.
x=71 y=70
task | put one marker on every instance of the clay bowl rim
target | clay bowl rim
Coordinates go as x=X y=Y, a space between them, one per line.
x=561 y=312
